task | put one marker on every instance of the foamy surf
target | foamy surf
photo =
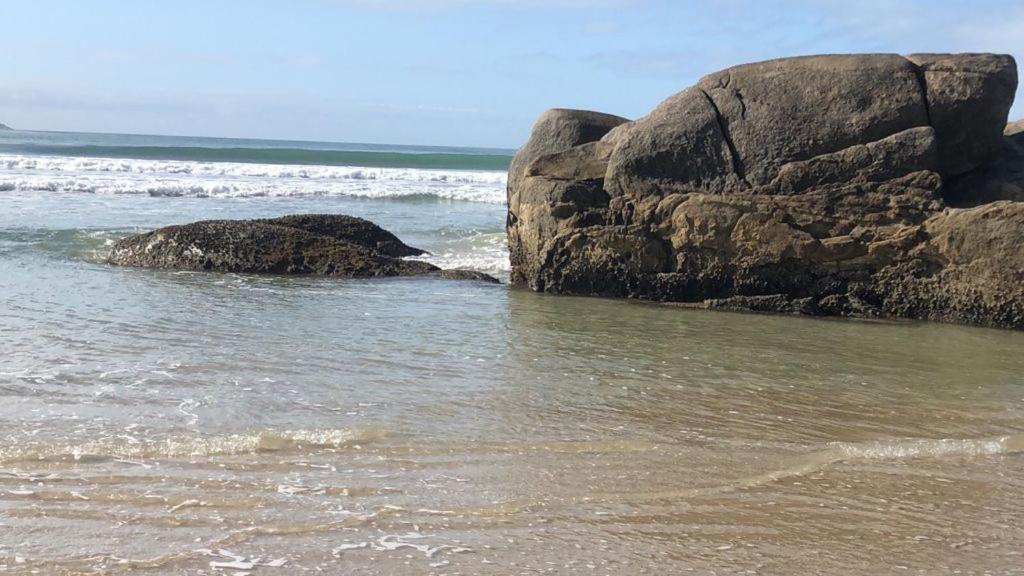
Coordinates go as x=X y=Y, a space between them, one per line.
x=135 y=446
x=77 y=164
x=173 y=178
x=836 y=453
x=485 y=251
x=927 y=448
x=896 y=449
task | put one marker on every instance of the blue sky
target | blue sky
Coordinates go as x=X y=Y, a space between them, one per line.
x=446 y=72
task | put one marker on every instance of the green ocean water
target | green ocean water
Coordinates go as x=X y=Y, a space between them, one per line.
x=251 y=151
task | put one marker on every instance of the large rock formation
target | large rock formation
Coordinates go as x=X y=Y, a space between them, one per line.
x=313 y=244
x=865 y=185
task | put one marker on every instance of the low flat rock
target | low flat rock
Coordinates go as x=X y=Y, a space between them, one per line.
x=349 y=229
x=315 y=244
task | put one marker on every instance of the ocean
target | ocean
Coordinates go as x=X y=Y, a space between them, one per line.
x=158 y=422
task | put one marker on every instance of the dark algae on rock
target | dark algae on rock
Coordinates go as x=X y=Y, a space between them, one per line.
x=852 y=185
x=309 y=244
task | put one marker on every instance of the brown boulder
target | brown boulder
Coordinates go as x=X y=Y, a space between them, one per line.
x=794 y=109
x=1001 y=178
x=556 y=168
x=559 y=129
x=969 y=96
x=813 y=185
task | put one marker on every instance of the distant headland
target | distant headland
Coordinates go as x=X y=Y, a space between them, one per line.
x=5 y=126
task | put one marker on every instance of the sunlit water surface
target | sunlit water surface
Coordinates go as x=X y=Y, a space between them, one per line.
x=168 y=423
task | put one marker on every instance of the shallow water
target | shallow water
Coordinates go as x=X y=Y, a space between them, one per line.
x=166 y=423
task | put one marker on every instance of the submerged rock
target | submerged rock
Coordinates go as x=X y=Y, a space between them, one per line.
x=313 y=244
x=455 y=274
x=855 y=185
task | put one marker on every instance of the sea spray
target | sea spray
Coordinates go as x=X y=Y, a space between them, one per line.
x=242 y=180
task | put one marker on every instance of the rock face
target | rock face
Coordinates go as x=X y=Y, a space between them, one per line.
x=313 y=244
x=1002 y=178
x=860 y=185
x=572 y=132
x=968 y=97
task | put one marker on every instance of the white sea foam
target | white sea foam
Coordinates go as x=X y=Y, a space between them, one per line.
x=926 y=448
x=128 y=447
x=482 y=251
x=236 y=179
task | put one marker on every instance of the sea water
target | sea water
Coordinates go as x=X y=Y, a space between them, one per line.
x=157 y=422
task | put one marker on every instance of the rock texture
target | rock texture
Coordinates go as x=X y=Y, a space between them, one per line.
x=1001 y=178
x=968 y=97
x=313 y=244
x=858 y=185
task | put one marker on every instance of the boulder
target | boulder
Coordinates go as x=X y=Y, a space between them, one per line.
x=530 y=198
x=818 y=185
x=968 y=96
x=557 y=130
x=679 y=147
x=313 y=244
x=1001 y=178
x=737 y=128
x=783 y=111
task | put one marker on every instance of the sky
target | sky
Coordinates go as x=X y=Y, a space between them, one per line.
x=428 y=72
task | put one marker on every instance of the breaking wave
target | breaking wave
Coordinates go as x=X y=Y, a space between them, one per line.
x=173 y=178
x=896 y=449
x=279 y=153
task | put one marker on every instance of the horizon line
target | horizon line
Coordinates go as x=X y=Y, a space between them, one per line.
x=500 y=149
